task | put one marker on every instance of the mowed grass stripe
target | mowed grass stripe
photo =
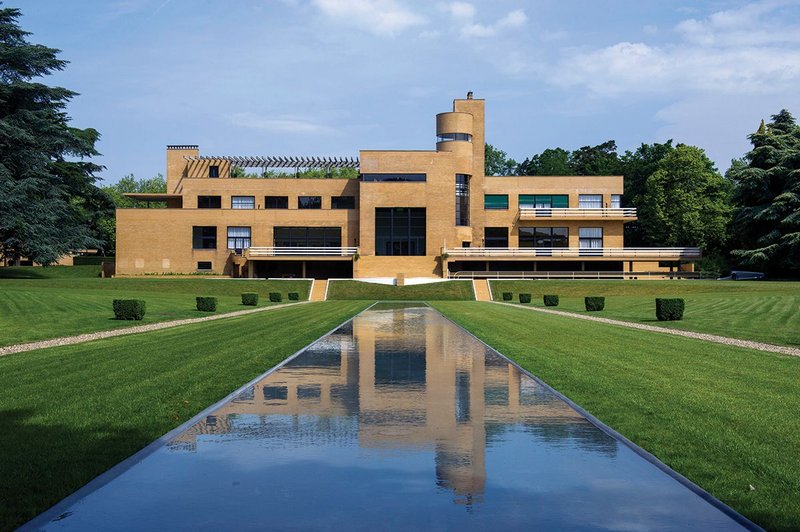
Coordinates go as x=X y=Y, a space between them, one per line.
x=725 y=417
x=70 y=413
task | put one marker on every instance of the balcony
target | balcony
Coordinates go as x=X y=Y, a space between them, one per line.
x=574 y=253
x=299 y=252
x=573 y=213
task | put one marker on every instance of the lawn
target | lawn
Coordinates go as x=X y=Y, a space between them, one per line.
x=357 y=290
x=70 y=413
x=724 y=417
x=65 y=303
x=762 y=311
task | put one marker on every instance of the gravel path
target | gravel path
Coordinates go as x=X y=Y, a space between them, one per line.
x=88 y=337
x=748 y=344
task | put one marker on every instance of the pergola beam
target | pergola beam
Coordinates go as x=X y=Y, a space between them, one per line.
x=281 y=161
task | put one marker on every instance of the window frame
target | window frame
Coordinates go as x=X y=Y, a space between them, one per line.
x=302 y=207
x=498 y=207
x=487 y=239
x=203 y=238
x=407 y=234
x=336 y=199
x=285 y=202
x=213 y=171
x=533 y=238
x=240 y=207
x=582 y=239
x=210 y=266
x=582 y=200
x=239 y=239
x=218 y=202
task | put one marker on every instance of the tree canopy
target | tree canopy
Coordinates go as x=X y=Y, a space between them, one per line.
x=497 y=162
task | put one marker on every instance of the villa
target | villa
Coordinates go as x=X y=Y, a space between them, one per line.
x=407 y=214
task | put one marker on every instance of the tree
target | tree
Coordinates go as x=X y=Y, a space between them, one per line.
x=49 y=200
x=767 y=194
x=552 y=161
x=686 y=202
x=127 y=185
x=596 y=160
x=497 y=162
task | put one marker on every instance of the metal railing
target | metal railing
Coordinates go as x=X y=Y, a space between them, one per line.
x=576 y=275
x=611 y=253
x=255 y=252
x=529 y=213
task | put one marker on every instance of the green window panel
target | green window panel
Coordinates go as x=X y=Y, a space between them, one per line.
x=541 y=201
x=495 y=201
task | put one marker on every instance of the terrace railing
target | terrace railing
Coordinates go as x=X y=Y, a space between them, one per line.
x=257 y=252
x=576 y=253
x=578 y=275
x=533 y=213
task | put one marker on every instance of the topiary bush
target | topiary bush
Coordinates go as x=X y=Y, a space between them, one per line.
x=207 y=304
x=508 y=296
x=595 y=303
x=129 y=309
x=524 y=298
x=550 y=301
x=250 y=299
x=294 y=296
x=275 y=297
x=669 y=309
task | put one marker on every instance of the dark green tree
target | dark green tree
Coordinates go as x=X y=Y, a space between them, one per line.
x=767 y=194
x=48 y=199
x=596 y=160
x=552 y=161
x=497 y=162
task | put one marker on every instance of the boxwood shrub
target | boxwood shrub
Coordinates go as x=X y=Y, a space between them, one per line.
x=550 y=301
x=508 y=296
x=669 y=309
x=250 y=299
x=129 y=309
x=594 y=303
x=207 y=304
x=524 y=298
x=294 y=296
x=275 y=297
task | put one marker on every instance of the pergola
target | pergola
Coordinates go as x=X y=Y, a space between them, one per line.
x=279 y=161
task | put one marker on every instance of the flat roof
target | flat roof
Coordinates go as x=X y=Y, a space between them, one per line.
x=147 y=196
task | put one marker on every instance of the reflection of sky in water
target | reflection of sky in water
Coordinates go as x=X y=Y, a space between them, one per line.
x=396 y=420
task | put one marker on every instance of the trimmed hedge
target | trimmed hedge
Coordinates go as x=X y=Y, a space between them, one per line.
x=594 y=303
x=294 y=296
x=207 y=304
x=508 y=296
x=669 y=309
x=275 y=297
x=550 y=301
x=250 y=299
x=129 y=309
x=524 y=298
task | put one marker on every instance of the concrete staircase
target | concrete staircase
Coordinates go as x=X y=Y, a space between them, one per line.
x=318 y=290
x=482 y=290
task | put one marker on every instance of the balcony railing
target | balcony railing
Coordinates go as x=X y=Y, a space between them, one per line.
x=572 y=253
x=533 y=213
x=256 y=252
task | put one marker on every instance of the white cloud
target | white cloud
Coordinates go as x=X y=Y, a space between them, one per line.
x=460 y=10
x=380 y=17
x=513 y=19
x=280 y=124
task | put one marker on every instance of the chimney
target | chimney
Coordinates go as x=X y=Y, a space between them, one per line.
x=469 y=95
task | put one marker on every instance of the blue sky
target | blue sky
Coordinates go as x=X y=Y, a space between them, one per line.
x=330 y=77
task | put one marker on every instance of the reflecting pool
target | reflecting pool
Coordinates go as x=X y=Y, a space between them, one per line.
x=397 y=420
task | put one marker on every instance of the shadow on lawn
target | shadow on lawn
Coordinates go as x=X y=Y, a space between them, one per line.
x=41 y=463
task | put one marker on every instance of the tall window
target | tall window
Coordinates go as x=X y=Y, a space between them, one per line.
x=276 y=202
x=462 y=199
x=590 y=201
x=305 y=237
x=616 y=201
x=309 y=202
x=590 y=237
x=495 y=237
x=209 y=202
x=238 y=238
x=204 y=237
x=343 y=202
x=495 y=201
x=213 y=171
x=544 y=201
x=543 y=237
x=399 y=231
x=243 y=202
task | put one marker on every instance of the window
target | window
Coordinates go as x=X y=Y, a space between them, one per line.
x=495 y=237
x=243 y=202
x=590 y=237
x=465 y=244
x=447 y=137
x=238 y=238
x=462 y=199
x=393 y=177
x=495 y=201
x=213 y=171
x=543 y=237
x=616 y=201
x=343 y=202
x=309 y=202
x=209 y=202
x=276 y=202
x=590 y=201
x=400 y=231
x=544 y=201
x=305 y=237
x=204 y=266
x=204 y=237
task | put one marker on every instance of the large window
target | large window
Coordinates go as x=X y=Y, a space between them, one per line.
x=590 y=201
x=276 y=202
x=462 y=199
x=209 y=202
x=309 y=202
x=543 y=237
x=495 y=237
x=447 y=137
x=305 y=237
x=590 y=237
x=343 y=202
x=238 y=238
x=393 y=177
x=544 y=201
x=204 y=237
x=495 y=201
x=243 y=202
x=399 y=231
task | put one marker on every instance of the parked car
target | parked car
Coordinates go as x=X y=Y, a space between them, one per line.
x=738 y=275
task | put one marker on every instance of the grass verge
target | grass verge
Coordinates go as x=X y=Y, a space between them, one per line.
x=70 y=413
x=358 y=290
x=724 y=417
